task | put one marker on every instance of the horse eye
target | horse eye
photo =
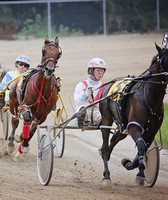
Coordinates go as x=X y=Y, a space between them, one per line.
x=164 y=61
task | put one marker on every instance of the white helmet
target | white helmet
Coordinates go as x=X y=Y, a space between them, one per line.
x=96 y=63
x=24 y=59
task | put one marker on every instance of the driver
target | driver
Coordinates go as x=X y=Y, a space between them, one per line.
x=22 y=63
x=88 y=91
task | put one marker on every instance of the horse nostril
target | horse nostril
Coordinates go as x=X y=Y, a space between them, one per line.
x=50 y=70
x=46 y=68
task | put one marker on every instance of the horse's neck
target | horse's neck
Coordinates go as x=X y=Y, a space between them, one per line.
x=156 y=88
x=155 y=91
x=42 y=83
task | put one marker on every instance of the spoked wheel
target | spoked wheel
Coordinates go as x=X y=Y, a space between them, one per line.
x=152 y=164
x=59 y=141
x=45 y=159
x=4 y=114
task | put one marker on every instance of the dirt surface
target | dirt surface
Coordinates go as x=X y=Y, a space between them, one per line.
x=78 y=174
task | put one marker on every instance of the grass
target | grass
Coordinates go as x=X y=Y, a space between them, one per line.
x=164 y=128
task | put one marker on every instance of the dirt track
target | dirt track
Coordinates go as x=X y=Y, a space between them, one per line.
x=79 y=173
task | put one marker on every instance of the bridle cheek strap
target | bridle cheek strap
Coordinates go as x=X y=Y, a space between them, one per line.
x=46 y=60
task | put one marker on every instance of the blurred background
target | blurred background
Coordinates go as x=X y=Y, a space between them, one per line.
x=122 y=32
x=81 y=17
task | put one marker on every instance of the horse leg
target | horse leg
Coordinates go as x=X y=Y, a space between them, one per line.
x=130 y=165
x=142 y=148
x=33 y=127
x=105 y=156
x=106 y=151
x=15 y=123
x=136 y=131
x=118 y=136
x=20 y=152
x=24 y=147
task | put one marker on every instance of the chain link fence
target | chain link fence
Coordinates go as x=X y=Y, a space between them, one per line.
x=80 y=17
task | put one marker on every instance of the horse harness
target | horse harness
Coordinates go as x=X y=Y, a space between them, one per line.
x=120 y=101
x=121 y=97
x=45 y=60
x=120 y=91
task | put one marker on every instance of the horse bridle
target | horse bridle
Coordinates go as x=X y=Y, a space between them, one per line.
x=160 y=59
x=161 y=73
x=51 y=58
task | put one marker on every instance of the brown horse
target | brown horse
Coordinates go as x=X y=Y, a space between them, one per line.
x=139 y=113
x=39 y=98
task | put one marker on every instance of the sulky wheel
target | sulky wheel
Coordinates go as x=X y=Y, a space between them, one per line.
x=152 y=164
x=4 y=119
x=59 y=140
x=45 y=159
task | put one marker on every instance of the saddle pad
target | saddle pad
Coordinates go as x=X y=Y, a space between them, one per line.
x=117 y=89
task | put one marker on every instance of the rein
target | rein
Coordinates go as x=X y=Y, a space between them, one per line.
x=154 y=114
x=40 y=92
x=151 y=110
x=41 y=98
x=143 y=79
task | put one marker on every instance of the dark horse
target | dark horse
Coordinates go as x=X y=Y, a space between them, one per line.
x=141 y=114
x=39 y=98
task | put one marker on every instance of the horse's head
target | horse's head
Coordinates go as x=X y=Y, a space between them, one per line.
x=161 y=59
x=51 y=52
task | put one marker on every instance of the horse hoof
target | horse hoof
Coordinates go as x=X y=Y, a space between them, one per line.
x=18 y=138
x=10 y=150
x=106 y=183
x=17 y=157
x=24 y=149
x=140 y=181
x=127 y=164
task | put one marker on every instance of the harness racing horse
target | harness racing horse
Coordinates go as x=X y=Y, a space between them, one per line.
x=40 y=96
x=140 y=115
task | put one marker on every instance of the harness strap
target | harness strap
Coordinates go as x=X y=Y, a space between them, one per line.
x=141 y=139
x=152 y=113
x=137 y=124
x=40 y=98
x=40 y=93
x=98 y=95
x=90 y=99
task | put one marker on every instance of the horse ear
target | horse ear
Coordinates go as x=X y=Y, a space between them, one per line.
x=158 y=48
x=56 y=41
x=46 y=39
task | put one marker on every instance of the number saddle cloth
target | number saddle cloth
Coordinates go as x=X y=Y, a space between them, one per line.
x=119 y=92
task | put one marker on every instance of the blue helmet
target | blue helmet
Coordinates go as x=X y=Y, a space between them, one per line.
x=24 y=59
